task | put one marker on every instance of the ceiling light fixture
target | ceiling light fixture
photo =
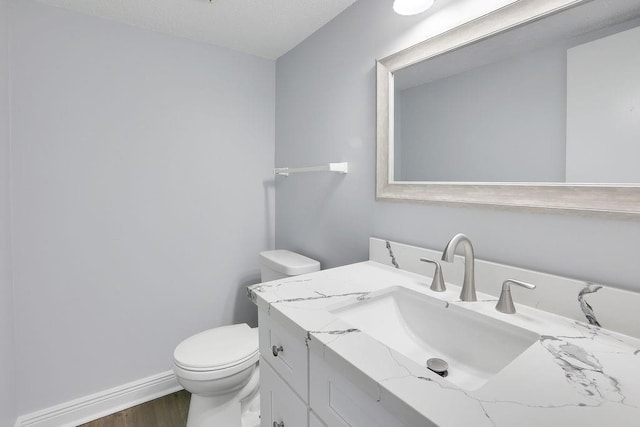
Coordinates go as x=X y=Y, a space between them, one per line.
x=411 y=7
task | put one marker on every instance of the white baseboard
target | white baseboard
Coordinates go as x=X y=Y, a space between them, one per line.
x=98 y=405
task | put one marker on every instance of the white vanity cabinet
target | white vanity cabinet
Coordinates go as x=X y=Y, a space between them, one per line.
x=338 y=360
x=298 y=388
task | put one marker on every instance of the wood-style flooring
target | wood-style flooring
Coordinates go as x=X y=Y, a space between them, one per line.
x=167 y=411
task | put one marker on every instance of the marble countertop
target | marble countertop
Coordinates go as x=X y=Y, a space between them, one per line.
x=574 y=374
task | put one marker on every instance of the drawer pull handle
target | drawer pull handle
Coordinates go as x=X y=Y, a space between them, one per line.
x=275 y=350
x=278 y=424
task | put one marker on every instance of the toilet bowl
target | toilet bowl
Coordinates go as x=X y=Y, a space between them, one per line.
x=219 y=367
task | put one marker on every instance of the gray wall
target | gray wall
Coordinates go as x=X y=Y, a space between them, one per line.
x=141 y=192
x=325 y=111
x=7 y=404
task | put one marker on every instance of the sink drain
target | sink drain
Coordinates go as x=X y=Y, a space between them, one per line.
x=438 y=366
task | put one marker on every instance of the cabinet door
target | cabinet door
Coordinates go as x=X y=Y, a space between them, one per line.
x=279 y=405
x=286 y=352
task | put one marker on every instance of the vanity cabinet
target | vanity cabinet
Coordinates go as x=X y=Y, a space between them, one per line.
x=299 y=389
x=354 y=340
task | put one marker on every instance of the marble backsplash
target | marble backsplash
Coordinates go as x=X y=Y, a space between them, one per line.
x=596 y=304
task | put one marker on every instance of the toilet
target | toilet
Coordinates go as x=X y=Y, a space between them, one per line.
x=219 y=367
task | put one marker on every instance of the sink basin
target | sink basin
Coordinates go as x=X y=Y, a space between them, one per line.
x=421 y=327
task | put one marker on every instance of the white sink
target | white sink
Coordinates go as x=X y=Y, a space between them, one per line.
x=420 y=327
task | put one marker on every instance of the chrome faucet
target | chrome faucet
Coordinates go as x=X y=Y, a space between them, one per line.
x=468 y=283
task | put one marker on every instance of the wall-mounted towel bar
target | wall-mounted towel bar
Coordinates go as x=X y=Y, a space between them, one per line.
x=331 y=167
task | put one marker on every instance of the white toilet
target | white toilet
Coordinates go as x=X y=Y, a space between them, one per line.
x=219 y=367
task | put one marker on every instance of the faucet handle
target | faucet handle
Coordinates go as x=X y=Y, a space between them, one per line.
x=505 y=303
x=437 y=284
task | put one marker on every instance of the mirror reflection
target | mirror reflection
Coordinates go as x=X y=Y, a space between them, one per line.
x=557 y=100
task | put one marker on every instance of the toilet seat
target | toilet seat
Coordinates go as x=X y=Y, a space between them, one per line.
x=217 y=353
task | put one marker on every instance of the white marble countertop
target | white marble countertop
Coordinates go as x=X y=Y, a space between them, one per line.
x=574 y=374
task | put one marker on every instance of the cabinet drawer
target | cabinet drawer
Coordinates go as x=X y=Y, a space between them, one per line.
x=278 y=403
x=339 y=403
x=286 y=353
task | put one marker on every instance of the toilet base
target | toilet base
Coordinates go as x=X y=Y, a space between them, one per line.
x=251 y=412
x=250 y=408
x=238 y=409
x=212 y=411
x=207 y=411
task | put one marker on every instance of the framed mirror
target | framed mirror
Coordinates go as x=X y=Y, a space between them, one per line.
x=536 y=105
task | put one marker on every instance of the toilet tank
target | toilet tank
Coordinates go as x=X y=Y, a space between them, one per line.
x=281 y=263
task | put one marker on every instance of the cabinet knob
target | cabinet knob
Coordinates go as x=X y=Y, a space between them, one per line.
x=275 y=350
x=278 y=424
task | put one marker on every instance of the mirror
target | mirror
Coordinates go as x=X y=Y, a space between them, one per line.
x=535 y=105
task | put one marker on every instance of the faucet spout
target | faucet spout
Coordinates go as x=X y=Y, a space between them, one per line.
x=468 y=292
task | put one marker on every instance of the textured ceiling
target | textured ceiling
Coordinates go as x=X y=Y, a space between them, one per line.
x=266 y=28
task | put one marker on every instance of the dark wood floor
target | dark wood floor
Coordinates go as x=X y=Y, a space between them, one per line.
x=167 y=411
